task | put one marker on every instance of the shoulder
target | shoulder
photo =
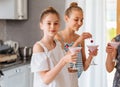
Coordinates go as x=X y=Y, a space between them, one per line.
x=37 y=48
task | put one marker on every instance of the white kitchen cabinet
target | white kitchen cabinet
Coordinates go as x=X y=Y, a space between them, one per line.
x=2 y=82
x=30 y=76
x=13 y=9
x=17 y=77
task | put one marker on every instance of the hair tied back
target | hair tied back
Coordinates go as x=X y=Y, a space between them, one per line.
x=74 y=4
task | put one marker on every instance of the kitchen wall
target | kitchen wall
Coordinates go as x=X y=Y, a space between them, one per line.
x=2 y=30
x=27 y=32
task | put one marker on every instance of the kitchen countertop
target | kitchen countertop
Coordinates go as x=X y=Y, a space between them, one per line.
x=15 y=64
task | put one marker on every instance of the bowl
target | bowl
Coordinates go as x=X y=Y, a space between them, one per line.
x=74 y=49
x=92 y=47
x=114 y=44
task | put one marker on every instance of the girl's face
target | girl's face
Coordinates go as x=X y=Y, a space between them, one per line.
x=75 y=20
x=50 y=25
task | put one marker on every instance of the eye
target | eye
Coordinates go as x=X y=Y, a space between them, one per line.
x=49 y=23
x=81 y=20
x=56 y=23
x=75 y=19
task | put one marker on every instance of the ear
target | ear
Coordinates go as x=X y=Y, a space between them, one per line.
x=41 y=26
x=66 y=18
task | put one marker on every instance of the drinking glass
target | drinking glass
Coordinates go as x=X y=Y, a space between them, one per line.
x=92 y=48
x=73 y=50
x=115 y=45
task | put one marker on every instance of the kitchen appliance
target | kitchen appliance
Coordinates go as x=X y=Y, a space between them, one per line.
x=25 y=52
x=12 y=44
x=8 y=58
x=5 y=49
x=9 y=51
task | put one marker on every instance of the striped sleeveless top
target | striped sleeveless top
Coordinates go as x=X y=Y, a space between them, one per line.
x=79 y=63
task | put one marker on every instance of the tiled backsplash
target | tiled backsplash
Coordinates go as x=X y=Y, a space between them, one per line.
x=2 y=30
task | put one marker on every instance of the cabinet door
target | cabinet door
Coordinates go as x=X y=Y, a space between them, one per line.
x=2 y=84
x=30 y=76
x=13 y=9
x=16 y=77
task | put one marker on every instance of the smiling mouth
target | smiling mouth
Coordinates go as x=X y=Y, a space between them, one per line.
x=53 y=31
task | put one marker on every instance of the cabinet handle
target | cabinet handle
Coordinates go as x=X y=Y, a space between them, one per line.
x=1 y=73
x=18 y=70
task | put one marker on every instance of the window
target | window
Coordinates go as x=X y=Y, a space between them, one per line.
x=111 y=18
x=111 y=9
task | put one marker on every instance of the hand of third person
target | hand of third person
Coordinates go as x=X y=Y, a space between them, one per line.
x=110 y=49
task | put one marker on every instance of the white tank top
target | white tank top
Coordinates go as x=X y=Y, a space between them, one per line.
x=47 y=60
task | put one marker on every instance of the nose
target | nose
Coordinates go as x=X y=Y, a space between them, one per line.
x=52 y=26
x=80 y=22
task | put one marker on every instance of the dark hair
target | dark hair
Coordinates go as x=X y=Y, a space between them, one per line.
x=48 y=11
x=73 y=6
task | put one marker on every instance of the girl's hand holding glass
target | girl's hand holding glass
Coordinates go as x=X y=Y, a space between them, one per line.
x=111 y=49
x=92 y=49
x=114 y=44
x=93 y=53
x=74 y=50
x=70 y=57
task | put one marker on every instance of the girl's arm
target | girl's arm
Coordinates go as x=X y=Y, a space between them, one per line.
x=80 y=39
x=49 y=75
x=111 y=55
x=87 y=61
x=110 y=64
